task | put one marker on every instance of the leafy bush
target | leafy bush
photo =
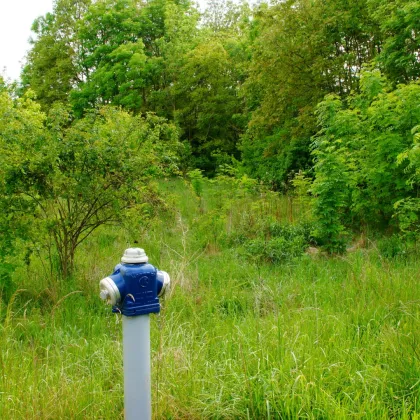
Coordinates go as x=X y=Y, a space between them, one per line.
x=64 y=178
x=280 y=243
x=391 y=246
x=407 y=213
x=197 y=181
x=276 y=250
x=289 y=231
x=366 y=161
x=302 y=194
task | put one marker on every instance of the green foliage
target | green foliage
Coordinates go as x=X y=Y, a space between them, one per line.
x=119 y=79
x=272 y=158
x=282 y=243
x=366 y=159
x=399 y=22
x=407 y=212
x=145 y=57
x=257 y=83
x=302 y=50
x=78 y=175
x=331 y=186
x=223 y=17
x=207 y=102
x=132 y=53
x=21 y=124
x=197 y=181
x=52 y=67
x=302 y=192
x=112 y=54
x=230 y=176
x=241 y=81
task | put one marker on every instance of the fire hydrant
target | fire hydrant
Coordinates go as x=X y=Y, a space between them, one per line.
x=134 y=289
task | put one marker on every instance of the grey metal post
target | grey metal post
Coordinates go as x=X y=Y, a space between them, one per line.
x=137 y=384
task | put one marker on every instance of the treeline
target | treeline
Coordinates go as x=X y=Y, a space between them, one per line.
x=302 y=92
x=158 y=56
x=238 y=81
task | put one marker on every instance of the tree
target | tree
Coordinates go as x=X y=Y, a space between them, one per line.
x=366 y=166
x=112 y=56
x=207 y=103
x=130 y=51
x=119 y=80
x=52 y=68
x=301 y=51
x=84 y=173
x=399 y=22
x=206 y=92
x=224 y=16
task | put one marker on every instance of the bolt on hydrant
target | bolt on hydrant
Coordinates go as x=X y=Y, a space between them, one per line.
x=133 y=289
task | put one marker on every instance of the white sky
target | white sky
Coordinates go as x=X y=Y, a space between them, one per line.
x=16 y=17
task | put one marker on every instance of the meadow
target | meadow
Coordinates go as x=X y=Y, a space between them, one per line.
x=253 y=327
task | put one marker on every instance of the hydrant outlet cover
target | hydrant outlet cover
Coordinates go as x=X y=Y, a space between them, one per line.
x=134 y=256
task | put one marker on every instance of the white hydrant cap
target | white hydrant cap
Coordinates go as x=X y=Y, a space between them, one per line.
x=134 y=256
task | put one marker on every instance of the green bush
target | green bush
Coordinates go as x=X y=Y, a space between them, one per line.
x=280 y=243
x=391 y=246
x=289 y=231
x=366 y=161
x=197 y=181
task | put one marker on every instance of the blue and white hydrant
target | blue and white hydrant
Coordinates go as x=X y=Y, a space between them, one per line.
x=133 y=289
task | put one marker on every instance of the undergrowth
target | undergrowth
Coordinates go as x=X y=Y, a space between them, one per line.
x=253 y=327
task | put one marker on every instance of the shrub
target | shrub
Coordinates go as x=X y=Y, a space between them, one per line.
x=76 y=175
x=281 y=243
x=391 y=246
x=366 y=161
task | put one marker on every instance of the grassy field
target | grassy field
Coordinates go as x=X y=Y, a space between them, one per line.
x=252 y=328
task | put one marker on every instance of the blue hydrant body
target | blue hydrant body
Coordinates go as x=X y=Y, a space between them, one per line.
x=135 y=285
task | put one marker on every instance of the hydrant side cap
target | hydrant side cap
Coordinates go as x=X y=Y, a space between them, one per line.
x=109 y=291
x=134 y=256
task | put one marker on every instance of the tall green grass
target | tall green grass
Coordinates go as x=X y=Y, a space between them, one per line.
x=311 y=337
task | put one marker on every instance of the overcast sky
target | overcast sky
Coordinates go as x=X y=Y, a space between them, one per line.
x=16 y=19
